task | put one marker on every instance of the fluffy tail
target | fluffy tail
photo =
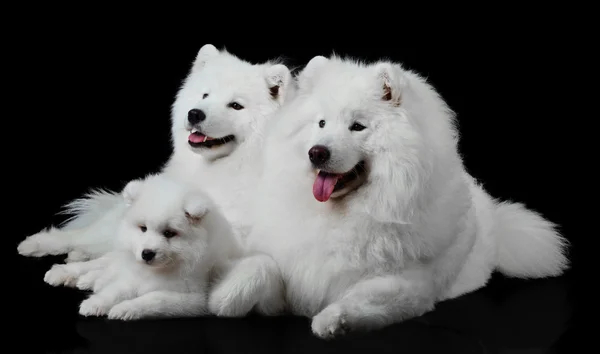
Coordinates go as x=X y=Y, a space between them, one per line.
x=88 y=233
x=528 y=246
x=87 y=210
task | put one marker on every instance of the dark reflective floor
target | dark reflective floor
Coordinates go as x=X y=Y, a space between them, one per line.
x=508 y=317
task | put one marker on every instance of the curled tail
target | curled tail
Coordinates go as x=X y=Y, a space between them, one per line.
x=528 y=246
x=90 y=208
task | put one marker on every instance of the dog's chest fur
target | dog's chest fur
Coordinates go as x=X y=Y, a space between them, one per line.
x=320 y=259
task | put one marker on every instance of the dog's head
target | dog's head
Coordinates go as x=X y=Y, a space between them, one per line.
x=224 y=101
x=164 y=225
x=374 y=129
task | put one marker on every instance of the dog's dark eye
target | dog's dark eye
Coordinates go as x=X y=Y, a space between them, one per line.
x=169 y=233
x=143 y=228
x=321 y=123
x=357 y=127
x=236 y=106
x=205 y=95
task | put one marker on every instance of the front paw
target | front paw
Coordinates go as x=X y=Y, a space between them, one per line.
x=330 y=323
x=94 y=306
x=59 y=274
x=228 y=301
x=126 y=311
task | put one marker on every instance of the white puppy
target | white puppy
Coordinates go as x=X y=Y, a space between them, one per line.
x=218 y=119
x=365 y=214
x=170 y=240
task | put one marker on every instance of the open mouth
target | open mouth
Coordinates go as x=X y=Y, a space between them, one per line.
x=329 y=184
x=199 y=140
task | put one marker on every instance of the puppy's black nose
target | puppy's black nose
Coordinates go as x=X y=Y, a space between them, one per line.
x=196 y=116
x=148 y=255
x=319 y=155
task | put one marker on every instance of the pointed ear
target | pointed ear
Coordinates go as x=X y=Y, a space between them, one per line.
x=196 y=207
x=310 y=71
x=205 y=53
x=278 y=79
x=132 y=191
x=390 y=83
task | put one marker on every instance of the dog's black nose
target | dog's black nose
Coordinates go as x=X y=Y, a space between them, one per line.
x=319 y=154
x=196 y=116
x=148 y=255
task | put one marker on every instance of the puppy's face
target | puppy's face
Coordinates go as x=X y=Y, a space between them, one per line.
x=165 y=230
x=162 y=243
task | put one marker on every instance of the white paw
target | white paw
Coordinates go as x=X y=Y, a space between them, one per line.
x=127 y=310
x=59 y=274
x=229 y=301
x=87 y=281
x=330 y=322
x=28 y=247
x=77 y=256
x=94 y=306
x=41 y=244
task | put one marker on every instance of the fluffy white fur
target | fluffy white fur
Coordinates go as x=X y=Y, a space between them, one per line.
x=215 y=82
x=412 y=230
x=187 y=237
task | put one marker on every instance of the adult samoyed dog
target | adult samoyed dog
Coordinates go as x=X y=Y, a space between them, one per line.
x=169 y=241
x=365 y=214
x=218 y=119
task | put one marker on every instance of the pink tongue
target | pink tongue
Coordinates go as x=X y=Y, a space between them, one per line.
x=196 y=138
x=324 y=185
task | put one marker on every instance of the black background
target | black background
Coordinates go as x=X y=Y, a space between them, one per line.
x=90 y=108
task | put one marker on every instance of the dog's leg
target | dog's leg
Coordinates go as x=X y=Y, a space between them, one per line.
x=78 y=256
x=85 y=242
x=158 y=304
x=250 y=283
x=377 y=302
x=80 y=244
x=88 y=280
x=68 y=274
x=104 y=279
x=50 y=241
x=101 y=302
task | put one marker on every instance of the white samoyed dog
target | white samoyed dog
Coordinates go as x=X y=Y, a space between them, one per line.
x=217 y=120
x=170 y=240
x=365 y=214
